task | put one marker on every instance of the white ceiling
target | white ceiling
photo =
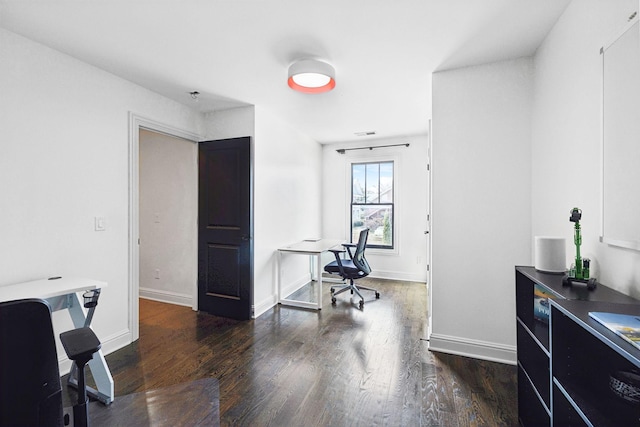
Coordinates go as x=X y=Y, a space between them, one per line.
x=236 y=52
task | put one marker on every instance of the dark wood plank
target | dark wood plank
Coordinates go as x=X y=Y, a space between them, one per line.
x=342 y=366
x=195 y=403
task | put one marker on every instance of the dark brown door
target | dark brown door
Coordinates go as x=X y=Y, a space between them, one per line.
x=225 y=227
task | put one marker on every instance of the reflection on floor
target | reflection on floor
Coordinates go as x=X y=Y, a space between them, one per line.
x=341 y=366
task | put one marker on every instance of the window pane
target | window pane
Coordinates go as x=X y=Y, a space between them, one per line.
x=386 y=182
x=373 y=182
x=379 y=220
x=372 y=202
x=358 y=183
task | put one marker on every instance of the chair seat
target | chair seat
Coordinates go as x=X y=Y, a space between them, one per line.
x=80 y=344
x=356 y=267
x=347 y=265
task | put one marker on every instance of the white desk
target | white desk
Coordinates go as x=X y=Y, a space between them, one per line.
x=62 y=293
x=311 y=248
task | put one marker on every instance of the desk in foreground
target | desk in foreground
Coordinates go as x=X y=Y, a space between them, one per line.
x=62 y=293
x=314 y=249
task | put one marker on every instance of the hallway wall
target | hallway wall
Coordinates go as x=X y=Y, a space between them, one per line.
x=168 y=218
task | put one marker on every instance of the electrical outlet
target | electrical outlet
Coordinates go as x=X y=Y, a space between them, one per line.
x=100 y=223
x=157 y=274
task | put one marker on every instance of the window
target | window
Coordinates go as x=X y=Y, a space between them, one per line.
x=372 y=202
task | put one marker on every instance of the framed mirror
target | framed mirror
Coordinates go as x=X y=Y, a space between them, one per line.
x=621 y=138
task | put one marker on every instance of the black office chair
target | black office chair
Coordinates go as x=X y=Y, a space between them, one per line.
x=356 y=267
x=30 y=389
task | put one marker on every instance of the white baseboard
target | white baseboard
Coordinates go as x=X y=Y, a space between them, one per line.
x=290 y=288
x=166 y=296
x=109 y=345
x=473 y=348
x=264 y=306
x=269 y=302
x=399 y=275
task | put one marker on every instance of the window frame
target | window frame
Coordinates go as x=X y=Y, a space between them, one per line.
x=392 y=248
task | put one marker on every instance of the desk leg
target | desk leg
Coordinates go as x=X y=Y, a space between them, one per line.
x=319 y=279
x=279 y=280
x=313 y=273
x=98 y=365
x=314 y=276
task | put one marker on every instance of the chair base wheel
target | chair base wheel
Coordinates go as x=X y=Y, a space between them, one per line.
x=361 y=305
x=333 y=300
x=377 y=295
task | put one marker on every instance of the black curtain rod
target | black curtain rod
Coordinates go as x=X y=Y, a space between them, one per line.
x=343 y=150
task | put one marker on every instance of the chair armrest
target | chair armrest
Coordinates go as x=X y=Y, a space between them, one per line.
x=336 y=252
x=348 y=247
x=80 y=343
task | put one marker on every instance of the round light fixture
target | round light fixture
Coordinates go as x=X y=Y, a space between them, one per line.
x=311 y=76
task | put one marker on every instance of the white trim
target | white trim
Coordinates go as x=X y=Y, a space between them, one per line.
x=167 y=296
x=296 y=284
x=137 y=122
x=473 y=348
x=272 y=300
x=398 y=275
x=430 y=235
x=264 y=306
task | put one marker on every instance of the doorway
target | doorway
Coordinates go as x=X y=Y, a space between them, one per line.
x=136 y=125
x=168 y=197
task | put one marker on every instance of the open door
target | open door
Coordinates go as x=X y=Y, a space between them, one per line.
x=225 y=227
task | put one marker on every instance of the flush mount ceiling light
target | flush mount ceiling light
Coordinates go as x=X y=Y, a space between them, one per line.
x=311 y=76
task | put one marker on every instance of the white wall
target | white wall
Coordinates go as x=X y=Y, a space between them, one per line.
x=409 y=259
x=481 y=194
x=287 y=203
x=566 y=135
x=64 y=153
x=233 y=123
x=168 y=218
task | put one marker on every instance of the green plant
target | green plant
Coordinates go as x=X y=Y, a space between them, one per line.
x=386 y=230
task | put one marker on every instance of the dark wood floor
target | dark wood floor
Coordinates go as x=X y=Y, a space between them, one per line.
x=342 y=366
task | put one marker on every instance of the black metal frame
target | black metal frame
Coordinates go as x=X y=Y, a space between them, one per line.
x=392 y=204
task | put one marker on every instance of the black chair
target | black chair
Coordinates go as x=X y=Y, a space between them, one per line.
x=30 y=389
x=356 y=267
x=80 y=345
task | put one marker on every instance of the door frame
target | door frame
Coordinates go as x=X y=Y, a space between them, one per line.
x=137 y=122
x=429 y=233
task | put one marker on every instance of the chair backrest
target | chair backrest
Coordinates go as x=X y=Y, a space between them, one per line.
x=30 y=390
x=358 y=257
